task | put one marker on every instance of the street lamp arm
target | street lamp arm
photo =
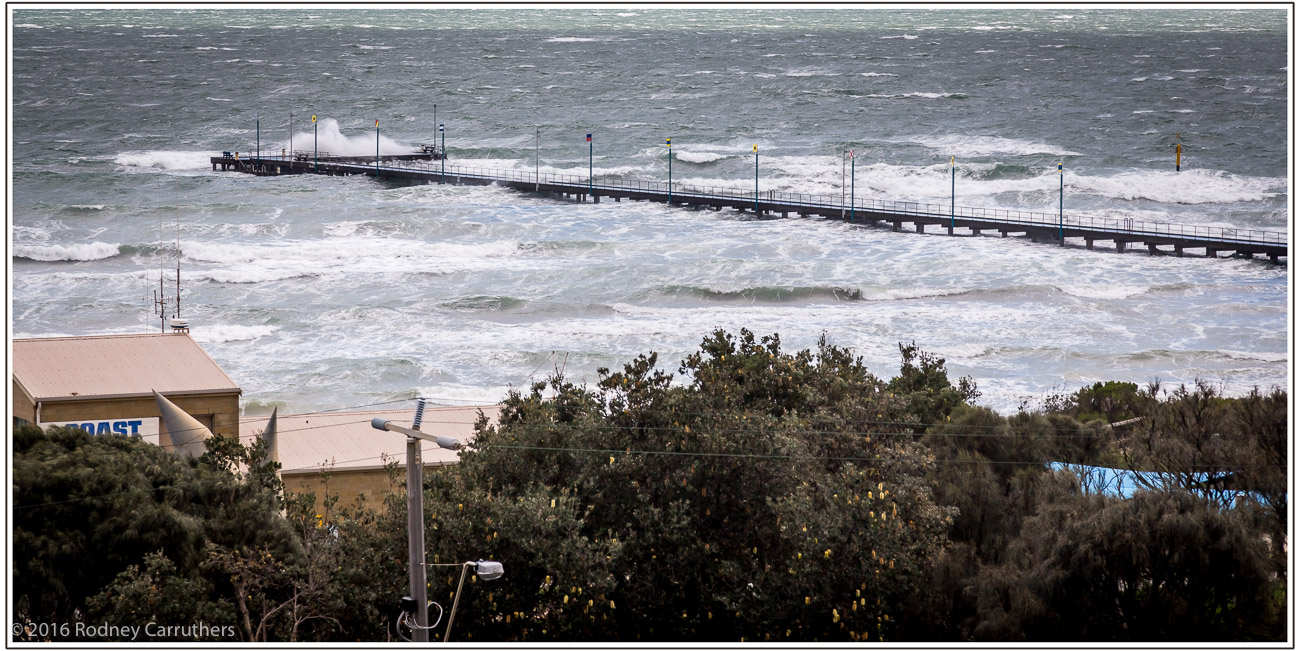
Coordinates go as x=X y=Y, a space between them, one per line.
x=443 y=441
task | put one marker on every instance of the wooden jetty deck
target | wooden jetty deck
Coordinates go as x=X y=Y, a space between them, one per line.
x=1125 y=234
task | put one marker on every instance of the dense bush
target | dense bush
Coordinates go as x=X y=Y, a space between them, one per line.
x=750 y=494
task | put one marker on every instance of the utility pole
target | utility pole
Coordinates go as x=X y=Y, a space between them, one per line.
x=415 y=528
x=415 y=512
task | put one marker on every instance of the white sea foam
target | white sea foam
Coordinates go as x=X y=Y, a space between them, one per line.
x=220 y=334
x=1105 y=291
x=571 y=39
x=1262 y=356
x=917 y=94
x=699 y=156
x=67 y=252
x=283 y=260
x=1188 y=187
x=166 y=160
x=877 y=74
x=963 y=145
x=251 y=275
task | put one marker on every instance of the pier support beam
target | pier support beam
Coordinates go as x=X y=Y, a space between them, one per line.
x=1119 y=246
x=920 y=228
x=1004 y=233
x=1178 y=250
x=1089 y=242
x=950 y=231
x=1211 y=253
x=1151 y=248
x=1273 y=257
x=595 y=198
x=898 y=226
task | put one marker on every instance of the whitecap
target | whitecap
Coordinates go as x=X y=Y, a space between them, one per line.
x=220 y=334
x=699 y=156
x=67 y=252
x=167 y=160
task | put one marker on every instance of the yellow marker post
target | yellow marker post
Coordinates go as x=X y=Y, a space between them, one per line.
x=1178 y=157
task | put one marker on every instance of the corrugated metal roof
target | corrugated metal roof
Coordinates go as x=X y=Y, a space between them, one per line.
x=116 y=365
x=308 y=442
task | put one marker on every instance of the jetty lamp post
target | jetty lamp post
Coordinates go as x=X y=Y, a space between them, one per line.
x=952 y=215
x=315 y=152
x=442 y=176
x=1060 y=168
x=415 y=511
x=537 y=158
x=844 y=156
x=756 y=179
x=258 y=118
x=591 y=149
x=290 y=134
x=670 y=170
x=853 y=185
x=376 y=147
x=486 y=570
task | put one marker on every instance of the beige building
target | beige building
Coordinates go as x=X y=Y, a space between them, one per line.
x=105 y=384
x=342 y=452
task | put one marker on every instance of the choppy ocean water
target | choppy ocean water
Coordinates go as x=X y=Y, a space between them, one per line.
x=324 y=292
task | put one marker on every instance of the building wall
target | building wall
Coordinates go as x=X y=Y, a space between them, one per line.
x=348 y=485
x=23 y=408
x=222 y=408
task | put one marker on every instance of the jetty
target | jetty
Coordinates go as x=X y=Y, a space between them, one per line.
x=1158 y=238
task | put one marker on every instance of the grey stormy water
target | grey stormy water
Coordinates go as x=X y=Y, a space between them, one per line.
x=318 y=293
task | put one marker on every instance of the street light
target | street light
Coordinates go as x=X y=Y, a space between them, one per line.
x=537 y=158
x=670 y=170
x=853 y=187
x=258 y=118
x=952 y=215
x=844 y=156
x=1060 y=168
x=486 y=570
x=415 y=511
x=756 y=179
x=442 y=131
